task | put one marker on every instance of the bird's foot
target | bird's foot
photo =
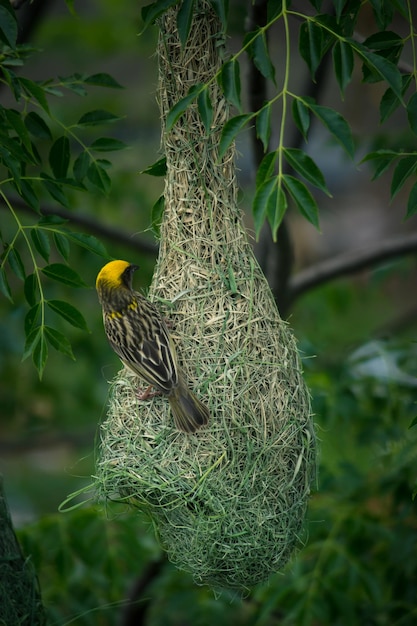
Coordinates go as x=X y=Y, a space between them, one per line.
x=148 y=394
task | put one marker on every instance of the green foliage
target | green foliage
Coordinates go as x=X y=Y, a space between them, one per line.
x=85 y=562
x=358 y=565
x=319 y=35
x=41 y=157
x=88 y=564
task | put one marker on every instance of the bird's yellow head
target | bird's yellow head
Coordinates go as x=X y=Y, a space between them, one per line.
x=115 y=275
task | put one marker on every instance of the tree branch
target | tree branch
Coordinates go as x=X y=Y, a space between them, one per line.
x=20 y=592
x=351 y=262
x=138 y=244
x=138 y=604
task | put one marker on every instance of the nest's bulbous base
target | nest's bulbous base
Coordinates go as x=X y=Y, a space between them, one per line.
x=228 y=502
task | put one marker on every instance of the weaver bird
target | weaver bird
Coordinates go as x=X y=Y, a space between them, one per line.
x=138 y=334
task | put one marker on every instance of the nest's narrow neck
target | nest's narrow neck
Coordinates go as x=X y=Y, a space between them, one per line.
x=200 y=191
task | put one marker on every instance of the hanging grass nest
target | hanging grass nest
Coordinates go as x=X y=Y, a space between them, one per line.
x=228 y=502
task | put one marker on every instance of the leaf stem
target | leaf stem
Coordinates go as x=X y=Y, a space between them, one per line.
x=284 y=92
x=21 y=231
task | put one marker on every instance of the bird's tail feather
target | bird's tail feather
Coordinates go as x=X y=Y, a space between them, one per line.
x=189 y=412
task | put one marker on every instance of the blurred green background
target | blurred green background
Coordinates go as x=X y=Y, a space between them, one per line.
x=358 y=341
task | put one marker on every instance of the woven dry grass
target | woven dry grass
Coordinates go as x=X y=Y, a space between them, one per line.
x=228 y=502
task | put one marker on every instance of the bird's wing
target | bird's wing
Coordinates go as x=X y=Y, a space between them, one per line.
x=145 y=347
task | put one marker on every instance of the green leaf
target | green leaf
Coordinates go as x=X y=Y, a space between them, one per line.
x=17 y=150
x=266 y=168
x=151 y=12
x=302 y=197
x=4 y=285
x=414 y=422
x=276 y=210
x=343 y=62
x=389 y=101
x=62 y=245
x=221 y=8
x=412 y=112
x=41 y=242
x=159 y=168
x=37 y=126
x=381 y=167
x=263 y=126
x=75 y=82
x=51 y=220
x=59 y=157
x=98 y=116
x=257 y=48
x=383 y=12
x=405 y=168
x=27 y=192
x=230 y=83
x=12 y=164
x=304 y=165
x=382 y=160
x=156 y=215
x=311 y=45
x=108 y=144
x=89 y=242
x=338 y=5
x=32 y=338
x=12 y=80
x=412 y=203
x=184 y=20
x=205 y=109
x=8 y=25
x=68 y=312
x=54 y=189
x=15 y=120
x=81 y=165
x=402 y=6
x=63 y=274
x=261 y=57
x=16 y=263
x=274 y=10
x=230 y=130
x=102 y=80
x=180 y=107
x=31 y=319
x=36 y=91
x=98 y=177
x=386 y=42
x=40 y=353
x=31 y=289
x=264 y=197
x=270 y=202
x=301 y=117
x=336 y=124
x=383 y=67
x=59 y=341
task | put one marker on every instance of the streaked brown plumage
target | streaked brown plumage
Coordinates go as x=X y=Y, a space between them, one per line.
x=138 y=334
